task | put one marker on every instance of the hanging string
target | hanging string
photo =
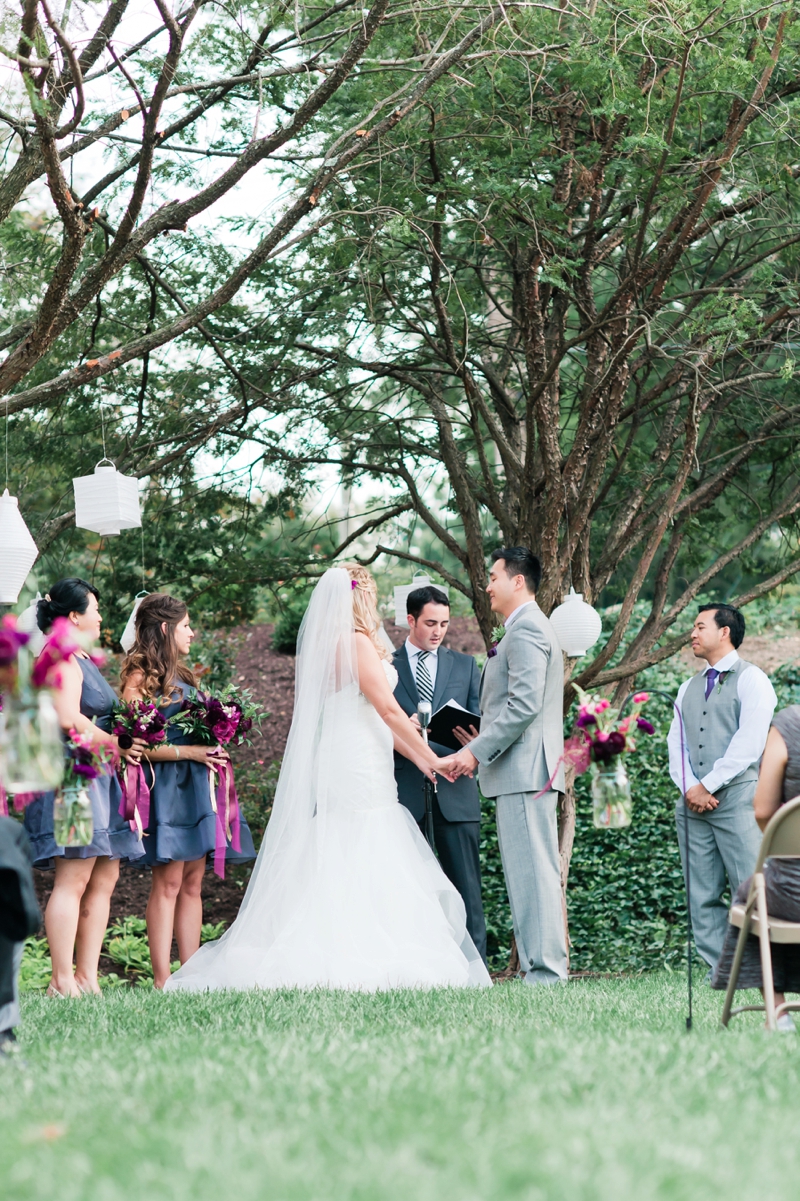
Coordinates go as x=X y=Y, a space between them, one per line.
x=103 y=428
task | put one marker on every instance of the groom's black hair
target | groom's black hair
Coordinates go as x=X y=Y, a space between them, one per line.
x=727 y=615
x=420 y=597
x=520 y=561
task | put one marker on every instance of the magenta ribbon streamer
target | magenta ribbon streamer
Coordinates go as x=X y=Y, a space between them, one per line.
x=228 y=817
x=135 y=795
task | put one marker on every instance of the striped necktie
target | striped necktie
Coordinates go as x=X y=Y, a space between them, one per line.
x=424 y=681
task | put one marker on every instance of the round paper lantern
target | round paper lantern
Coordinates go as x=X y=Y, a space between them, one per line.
x=577 y=625
x=107 y=502
x=401 y=596
x=18 y=551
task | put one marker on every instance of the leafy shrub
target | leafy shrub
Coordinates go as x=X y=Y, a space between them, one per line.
x=287 y=627
x=255 y=785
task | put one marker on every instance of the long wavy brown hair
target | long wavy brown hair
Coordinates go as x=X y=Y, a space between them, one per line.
x=154 y=654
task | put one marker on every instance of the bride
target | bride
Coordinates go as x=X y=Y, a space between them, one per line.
x=345 y=893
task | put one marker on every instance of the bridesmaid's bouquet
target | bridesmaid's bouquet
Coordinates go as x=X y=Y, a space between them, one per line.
x=144 y=720
x=222 y=720
x=225 y=719
x=73 y=825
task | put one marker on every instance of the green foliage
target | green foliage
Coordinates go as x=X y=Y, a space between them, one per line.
x=256 y=784
x=287 y=627
x=36 y=967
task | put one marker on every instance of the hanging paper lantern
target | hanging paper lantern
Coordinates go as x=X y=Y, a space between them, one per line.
x=577 y=625
x=129 y=633
x=28 y=624
x=401 y=596
x=18 y=551
x=107 y=502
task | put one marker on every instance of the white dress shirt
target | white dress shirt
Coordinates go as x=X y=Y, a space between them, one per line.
x=517 y=612
x=757 y=699
x=432 y=661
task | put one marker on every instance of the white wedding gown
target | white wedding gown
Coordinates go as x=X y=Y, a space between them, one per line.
x=347 y=894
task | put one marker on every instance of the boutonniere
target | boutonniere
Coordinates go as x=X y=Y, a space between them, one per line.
x=497 y=634
x=723 y=675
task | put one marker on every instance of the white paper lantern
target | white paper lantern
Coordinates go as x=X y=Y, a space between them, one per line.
x=26 y=622
x=18 y=551
x=129 y=633
x=577 y=625
x=107 y=502
x=401 y=596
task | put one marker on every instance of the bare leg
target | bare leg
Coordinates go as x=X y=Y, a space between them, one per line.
x=94 y=922
x=189 y=909
x=167 y=881
x=61 y=920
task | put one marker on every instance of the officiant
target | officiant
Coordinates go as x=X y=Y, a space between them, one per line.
x=430 y=671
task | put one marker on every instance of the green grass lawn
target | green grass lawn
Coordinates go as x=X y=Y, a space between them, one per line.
x=593 y=1091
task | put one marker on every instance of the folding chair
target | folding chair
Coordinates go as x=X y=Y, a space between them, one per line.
x=781 y=837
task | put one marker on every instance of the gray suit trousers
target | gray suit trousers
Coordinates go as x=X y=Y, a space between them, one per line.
x=527 y=831
x=722 y=842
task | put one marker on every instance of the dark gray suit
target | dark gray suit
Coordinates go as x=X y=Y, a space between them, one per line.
x=19 y=914
x=457 y=807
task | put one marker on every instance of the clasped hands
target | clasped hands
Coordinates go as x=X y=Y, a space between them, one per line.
x=699 y=799
x=463 y=763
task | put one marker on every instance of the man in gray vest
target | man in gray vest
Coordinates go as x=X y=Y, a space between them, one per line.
x=429 y=671
x=519 y=751
x=726 y=710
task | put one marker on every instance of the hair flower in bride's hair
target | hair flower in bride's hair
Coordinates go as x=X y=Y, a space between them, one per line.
x=353 y=585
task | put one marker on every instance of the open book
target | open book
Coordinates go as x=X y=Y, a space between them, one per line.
x=446 y=719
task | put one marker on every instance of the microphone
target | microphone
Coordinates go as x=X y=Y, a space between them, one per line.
x=424 y=713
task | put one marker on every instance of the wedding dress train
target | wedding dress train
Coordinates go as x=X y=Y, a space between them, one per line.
x=346 y=892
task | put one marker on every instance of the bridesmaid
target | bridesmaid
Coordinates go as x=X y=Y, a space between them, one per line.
x=182 y=828
x=76 y=916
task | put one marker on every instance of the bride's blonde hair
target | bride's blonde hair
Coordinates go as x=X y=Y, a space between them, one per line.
x=365 y=606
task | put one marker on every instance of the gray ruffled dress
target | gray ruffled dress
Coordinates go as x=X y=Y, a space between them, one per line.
x=112 y=833
x=782 y=885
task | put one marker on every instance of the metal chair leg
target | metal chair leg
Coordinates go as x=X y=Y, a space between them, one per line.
x=736 y=966
x=766 y=952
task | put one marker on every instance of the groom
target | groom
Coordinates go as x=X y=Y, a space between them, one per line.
x=518 y=753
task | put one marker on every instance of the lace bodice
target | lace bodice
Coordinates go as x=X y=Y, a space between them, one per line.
x=391 y=673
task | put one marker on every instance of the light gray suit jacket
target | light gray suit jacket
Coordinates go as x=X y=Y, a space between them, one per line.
x=522 y=724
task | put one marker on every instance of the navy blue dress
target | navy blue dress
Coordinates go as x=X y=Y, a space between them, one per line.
x=112 y=834
x=183 y=823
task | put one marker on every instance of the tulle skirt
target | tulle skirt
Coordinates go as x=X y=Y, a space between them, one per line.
x=364 y=907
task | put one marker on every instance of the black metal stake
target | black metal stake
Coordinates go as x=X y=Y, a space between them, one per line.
x=666 y=695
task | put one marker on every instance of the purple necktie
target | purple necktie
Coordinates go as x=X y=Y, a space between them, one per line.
x=711 y=679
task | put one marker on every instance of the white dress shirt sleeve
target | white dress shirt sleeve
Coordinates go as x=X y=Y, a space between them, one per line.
x=682 y=779
x=758 y=700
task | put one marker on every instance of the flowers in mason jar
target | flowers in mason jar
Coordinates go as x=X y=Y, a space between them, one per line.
x=11 y=640
x=86 y=760
x=602 y=730
x=62 y=642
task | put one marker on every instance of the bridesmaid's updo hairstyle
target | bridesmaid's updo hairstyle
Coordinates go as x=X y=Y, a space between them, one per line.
x=154 y=655
x=365 y=606
x=65 y=597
